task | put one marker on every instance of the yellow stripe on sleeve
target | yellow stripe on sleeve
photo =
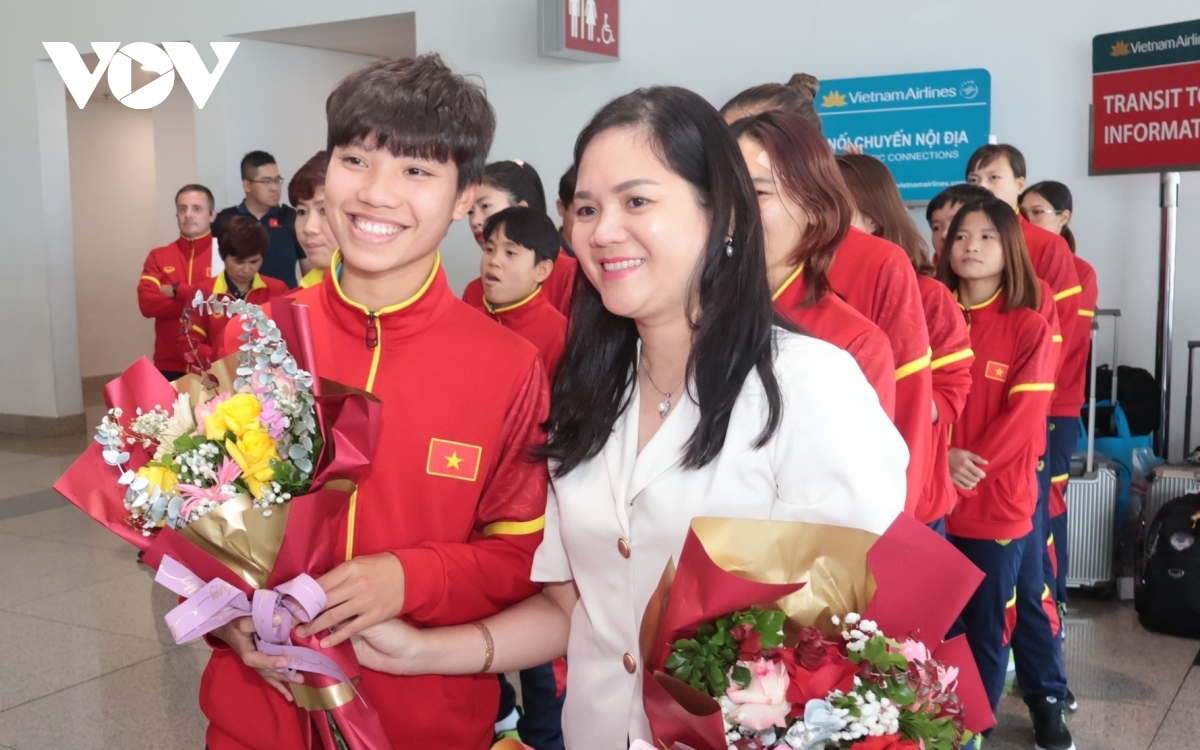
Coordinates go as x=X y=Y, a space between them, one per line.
x=1088 y=313
x=916 y=366
x=1057 y=338
x=200 y=331
x=1036 y=387
x=157 y=283
x=950 y=359
x=1068 y=293
x=515 y=528
x=1059 y=479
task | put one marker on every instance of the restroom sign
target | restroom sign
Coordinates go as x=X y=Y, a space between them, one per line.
x=582 y=30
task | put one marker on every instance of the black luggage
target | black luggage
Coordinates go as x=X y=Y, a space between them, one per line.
x=1168 y=599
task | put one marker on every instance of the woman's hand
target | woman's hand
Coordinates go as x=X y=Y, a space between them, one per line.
x=390 y=646
x=964 y=469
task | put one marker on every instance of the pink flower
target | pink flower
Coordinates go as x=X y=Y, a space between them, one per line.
x=763 y=703
x=206 y=410
x=219 y=493
x=915 y=651
x=272 y=420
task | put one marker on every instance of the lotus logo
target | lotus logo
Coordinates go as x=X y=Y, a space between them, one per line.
x=1120 y=49
x=1182 y=541
x=833 y=99
x=969 y=89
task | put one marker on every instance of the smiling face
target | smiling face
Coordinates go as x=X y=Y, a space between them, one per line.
x=639 y=230
x=784 y=220
x=510 y=272
x=976 y=252
x=312 y=229
x=388 y=213
x=488 y=200
x=998 y=178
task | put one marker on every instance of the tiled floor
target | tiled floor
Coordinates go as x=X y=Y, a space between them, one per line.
x=87 y=662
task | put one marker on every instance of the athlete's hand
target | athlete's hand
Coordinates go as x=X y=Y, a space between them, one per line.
x=964 y=469
x=388 y=647
x=362 y=592
x=238 y=635
x=168 y=290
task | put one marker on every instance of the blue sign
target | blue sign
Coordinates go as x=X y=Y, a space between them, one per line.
x=923 y=126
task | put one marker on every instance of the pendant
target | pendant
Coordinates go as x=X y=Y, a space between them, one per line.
x=664 y=407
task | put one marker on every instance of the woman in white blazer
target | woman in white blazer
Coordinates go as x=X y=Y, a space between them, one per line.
x=772 y=424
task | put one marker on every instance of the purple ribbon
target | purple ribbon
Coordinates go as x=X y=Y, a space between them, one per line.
x=211 y=604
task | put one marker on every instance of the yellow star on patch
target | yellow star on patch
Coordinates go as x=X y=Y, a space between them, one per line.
x=453 y=461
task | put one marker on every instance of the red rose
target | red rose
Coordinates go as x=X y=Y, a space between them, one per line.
x=811 y=648
x=885 y=742
x=749 y=642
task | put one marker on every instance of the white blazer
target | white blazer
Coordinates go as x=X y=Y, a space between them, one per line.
x=614 y=522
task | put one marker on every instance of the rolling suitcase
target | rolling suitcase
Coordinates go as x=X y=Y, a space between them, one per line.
x=1169 y=481
x=1092 y=503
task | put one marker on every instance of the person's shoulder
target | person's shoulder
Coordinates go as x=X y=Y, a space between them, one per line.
x=1029 y=323
x=799 y=357
x=275 y=286
x=867 y=245
x=1038 y=239
x=1086 y=271
x=480 y=339
x=935 y=295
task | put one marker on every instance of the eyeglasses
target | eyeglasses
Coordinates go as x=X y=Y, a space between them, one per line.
x=268 y=181
x=1033 y=214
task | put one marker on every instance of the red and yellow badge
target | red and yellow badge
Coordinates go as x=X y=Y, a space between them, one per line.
x=996 y=371
x=454 y=460
x=169 y=269
x=273 y=223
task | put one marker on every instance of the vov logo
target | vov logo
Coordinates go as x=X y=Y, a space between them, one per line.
x=118 y=61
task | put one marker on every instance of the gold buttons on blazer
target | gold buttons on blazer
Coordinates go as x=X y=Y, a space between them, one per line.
x=623 y=547
x=630 y=663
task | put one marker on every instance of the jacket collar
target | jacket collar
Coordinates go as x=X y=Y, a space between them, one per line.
x=221 y=285
x=990 y=302
x=272 y=211
x=791 y=292
x=518 y=312
x=312 y=278
x=201 y=243
x=406 y=318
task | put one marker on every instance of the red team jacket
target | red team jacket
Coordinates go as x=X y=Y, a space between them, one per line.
x=184 y=263
x=951 y=375
x=1068 y=400
x=559 y=288
x=210 y=329
x=452 y=494
x=1053 y=264
x=876 y=278
x=1004 y=420
x=535 y=320
x=836 y=322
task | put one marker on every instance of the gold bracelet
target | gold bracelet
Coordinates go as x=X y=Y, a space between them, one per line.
x=487 y=641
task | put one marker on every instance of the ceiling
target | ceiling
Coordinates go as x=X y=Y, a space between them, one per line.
x=378 y=36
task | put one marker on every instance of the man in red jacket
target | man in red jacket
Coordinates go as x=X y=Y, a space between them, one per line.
x=172 y=273
x=444 y=525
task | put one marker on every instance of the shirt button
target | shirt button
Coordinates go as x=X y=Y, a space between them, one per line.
x=623 y=548
x=630 y=663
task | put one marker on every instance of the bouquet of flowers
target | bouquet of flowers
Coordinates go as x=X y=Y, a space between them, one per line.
x=783 y=659
x=234 y=492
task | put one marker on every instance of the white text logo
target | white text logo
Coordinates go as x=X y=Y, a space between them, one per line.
x=118 y=61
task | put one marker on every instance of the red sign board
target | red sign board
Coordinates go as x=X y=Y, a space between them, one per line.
x=584 y=30
x=1146 y=99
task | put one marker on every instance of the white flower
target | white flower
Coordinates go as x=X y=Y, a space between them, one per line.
x=853 y=618
x=868 y=626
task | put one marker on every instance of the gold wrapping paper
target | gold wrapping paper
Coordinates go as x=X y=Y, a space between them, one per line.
x=322 y=699
x=241 y=537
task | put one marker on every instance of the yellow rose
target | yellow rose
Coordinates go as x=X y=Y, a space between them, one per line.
x=252 y=453
x=237 y=415
x=159 y=476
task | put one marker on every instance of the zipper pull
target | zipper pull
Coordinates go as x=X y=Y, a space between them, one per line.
x=372 y=330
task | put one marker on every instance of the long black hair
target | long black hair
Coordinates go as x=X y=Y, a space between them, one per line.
x=520 y=180
x=734 y=316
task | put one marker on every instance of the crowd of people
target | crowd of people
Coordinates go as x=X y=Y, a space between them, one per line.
x=731 y=321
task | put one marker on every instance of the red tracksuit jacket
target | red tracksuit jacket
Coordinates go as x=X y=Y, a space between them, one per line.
x=836 y=322
x=876 y=278
x=1004 y=420
x=535 y=320
x=210 y=329
x=451 y=493
x=1068 y=400
x=951 y=374
x=184 y=263
x=1053 y=264
x=559 y=288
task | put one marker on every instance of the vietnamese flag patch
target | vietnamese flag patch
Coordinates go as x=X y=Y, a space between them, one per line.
x=454 y=460
x=273 y=223
x=996 y=371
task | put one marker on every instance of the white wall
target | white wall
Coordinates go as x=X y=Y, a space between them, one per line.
x=1038 y=53
x=113 y=215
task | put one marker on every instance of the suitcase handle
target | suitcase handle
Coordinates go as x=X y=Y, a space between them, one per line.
x=1187 y=404
x=1091 y=425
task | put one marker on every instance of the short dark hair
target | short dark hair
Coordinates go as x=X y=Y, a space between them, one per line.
x=1018 y=279
x=307 y=179
x=986 y=154
x=519 y=179
x=731 y=313
x=253 y=161
x=195 y=188
x=242 y=237
x=529 y=228
x=417 y=107
x=796 y=96
x=566 y=186
x=959 y=193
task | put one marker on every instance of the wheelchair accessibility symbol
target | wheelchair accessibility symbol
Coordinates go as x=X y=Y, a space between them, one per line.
x=606 y=32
